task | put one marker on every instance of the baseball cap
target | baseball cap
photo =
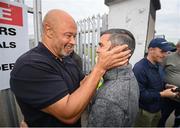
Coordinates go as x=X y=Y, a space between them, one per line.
x=160 y=43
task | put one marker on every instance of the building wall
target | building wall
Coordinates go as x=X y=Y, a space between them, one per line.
x=135 y=16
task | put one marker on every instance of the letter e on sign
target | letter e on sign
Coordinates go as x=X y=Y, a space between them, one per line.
x=10 y=14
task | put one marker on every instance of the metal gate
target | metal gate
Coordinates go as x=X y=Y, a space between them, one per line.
x=88 y=37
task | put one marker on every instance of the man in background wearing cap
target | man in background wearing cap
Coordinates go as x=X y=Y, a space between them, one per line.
x=149 y=75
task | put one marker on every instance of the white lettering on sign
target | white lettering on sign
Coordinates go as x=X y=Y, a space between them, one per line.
x=5 y=14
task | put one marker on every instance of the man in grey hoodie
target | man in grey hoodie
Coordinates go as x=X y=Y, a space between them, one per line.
x=115 y=103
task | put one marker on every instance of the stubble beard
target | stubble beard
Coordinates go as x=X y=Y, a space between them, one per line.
x=64 y=54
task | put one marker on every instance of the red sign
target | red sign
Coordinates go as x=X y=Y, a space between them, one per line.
x=10 y=14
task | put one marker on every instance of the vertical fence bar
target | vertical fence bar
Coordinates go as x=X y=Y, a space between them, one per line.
x=77 y=39
x=84 y=46
x=93 y=39
x=37 y=21
x=81 y=42
x=98 y=31
x=89 y=43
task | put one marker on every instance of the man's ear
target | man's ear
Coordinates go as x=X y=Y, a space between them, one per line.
x=48 y=30
x=151 y=50
x=109 y=45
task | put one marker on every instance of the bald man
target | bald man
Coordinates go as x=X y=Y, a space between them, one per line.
x=51 y=90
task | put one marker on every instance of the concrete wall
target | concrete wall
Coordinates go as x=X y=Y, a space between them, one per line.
x=136 y=16
x=151 y=25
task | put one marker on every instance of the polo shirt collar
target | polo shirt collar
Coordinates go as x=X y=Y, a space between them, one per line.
x=156 y=66
x=45 y=50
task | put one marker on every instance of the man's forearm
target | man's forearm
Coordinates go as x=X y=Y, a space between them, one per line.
x=69 y=108
x=78 y=100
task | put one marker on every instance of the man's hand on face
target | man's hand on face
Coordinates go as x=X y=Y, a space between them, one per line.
x=115 y=57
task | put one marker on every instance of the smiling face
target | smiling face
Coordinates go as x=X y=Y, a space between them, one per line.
x=59 y=33
x=68 y=49
x=157 y=55
x=65 y=37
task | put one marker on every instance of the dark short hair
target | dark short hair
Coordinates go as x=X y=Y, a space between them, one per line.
x=121 y=36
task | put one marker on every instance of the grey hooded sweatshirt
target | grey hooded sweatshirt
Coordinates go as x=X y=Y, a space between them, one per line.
x=115 y=104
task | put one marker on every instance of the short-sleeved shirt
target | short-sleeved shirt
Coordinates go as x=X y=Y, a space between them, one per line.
x=38 y=80
x=150 y=81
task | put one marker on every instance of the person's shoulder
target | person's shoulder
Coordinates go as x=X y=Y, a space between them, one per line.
x=140 y=64
x=33 y=58
x=108 y=89
x=171 y=58
x=172 y=55
x=31 y=55
x=25 y=56
x=141 y=68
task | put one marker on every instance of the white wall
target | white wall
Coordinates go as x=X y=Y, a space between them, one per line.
x=132 y=15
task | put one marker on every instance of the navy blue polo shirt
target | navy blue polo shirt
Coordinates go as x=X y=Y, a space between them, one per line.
x=150 y=81
x=38 y=80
